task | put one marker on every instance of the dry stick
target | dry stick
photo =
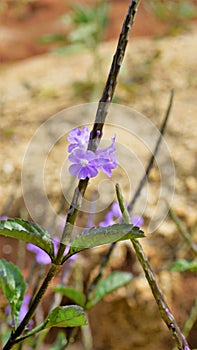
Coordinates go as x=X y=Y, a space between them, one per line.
x=95 y=137
x=165 y=312
x=187 y=237
x=107 y=255
x=151 y=161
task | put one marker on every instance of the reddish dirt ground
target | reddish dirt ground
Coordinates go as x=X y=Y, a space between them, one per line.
x=22 y=25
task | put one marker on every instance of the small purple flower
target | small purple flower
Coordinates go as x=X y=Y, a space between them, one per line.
x=41 y=256
x=106 y=158
x=24 y=307
x=115 y=213
x=137 y=220
x=84 y=165
x=85 y=162
x=23 y=310
x=108 y=220
x=78 y=138
x=116 y=210
x=3 y=218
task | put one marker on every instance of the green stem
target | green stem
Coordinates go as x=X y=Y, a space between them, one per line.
x=191 y=320
x=165 y=312
x=51 y=273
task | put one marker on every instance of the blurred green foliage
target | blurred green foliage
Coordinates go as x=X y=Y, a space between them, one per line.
x=86 y=27
x=175 y=13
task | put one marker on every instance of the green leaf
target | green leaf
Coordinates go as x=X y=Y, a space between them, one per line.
x=109 y=284
x=13 y=286
x=102 y=235
x=184 y=265
x=61 y=316
x=29 y=232
x=72 y=293
x=66 y=316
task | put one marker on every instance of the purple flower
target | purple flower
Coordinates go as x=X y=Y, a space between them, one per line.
x=84 y=165
x=3 y=217
x=137 y=220
x=108 y=220
x=106 y=158
x=115 y=213
x=24 y=307
x=78 y=138
x=23 y=310
x=85 y=162
x=41 y=256
x=116 y=210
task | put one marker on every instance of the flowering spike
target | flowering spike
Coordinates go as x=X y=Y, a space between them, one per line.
x=86 y=163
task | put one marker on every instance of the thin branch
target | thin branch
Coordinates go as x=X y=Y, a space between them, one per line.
x=191 y=320
x=187 y=237
x=165 y=312
x=152 y=158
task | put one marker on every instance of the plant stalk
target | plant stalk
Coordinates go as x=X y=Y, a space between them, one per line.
x=165 y=312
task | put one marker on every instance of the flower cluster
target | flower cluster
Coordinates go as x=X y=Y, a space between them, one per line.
x=23 y=310
x=85 y=162
x=115 y=212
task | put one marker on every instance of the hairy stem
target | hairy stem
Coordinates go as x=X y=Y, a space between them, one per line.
x=165 y=312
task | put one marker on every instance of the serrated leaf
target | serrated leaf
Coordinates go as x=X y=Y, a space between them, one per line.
x=184 y=265
x=13 y=286
x=102 y=235
x=109 y=284
x=78 y=297
x=66 y=316
x=29 y=232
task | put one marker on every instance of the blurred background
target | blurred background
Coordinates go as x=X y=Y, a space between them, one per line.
x=56 y=54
